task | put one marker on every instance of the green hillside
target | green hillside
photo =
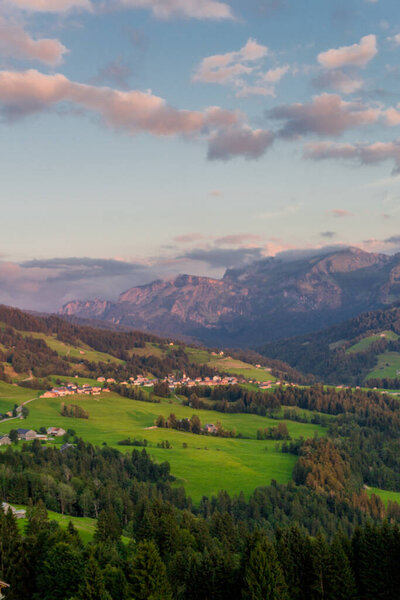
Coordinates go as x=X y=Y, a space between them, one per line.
x=207 y=464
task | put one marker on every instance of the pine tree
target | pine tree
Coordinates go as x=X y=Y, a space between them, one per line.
x=92 y=586
x=148 y=576
x=108 y=527
x=263 y=578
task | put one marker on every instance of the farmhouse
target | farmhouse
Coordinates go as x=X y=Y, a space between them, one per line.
x=4 y=440
x=210 y=428
x=18 y=514
x=56 y=431
x=26 y=434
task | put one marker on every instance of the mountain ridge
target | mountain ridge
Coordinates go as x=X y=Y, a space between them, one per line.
x=269 y=299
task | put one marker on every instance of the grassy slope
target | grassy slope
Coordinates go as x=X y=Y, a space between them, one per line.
x=74 y=351
x=366 y=342
x=208 y=465
x=229 y=365
x=12 y=394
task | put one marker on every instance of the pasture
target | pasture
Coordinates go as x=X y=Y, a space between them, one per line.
x=388 y=366
x=366 y=342
x=226 y=364
x=206 y=465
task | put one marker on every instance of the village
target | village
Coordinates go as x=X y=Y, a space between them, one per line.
x=69 y=389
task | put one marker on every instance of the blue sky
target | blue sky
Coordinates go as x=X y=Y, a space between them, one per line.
x=191 y=135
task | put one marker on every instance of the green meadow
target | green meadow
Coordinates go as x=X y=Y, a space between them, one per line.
x=366 y=342
x=388 y=366
x=207 y=465
x=385 y=495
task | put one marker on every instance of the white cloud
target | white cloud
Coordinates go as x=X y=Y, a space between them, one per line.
x=357 y=55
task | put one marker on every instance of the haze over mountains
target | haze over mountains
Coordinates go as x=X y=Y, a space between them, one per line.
x=269 y=299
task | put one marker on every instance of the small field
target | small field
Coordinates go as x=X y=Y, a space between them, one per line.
x=385 y=495
x=207 y=465
x=149 y=349
x=85 y=526
x=366 y=342
x=388 y=366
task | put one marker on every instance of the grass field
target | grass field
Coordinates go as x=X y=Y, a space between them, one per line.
x=385 y=495
x=366 y=342
x=84 y=525
x=207 y=465
x=82 y=351
x=229 y=365
x=149 y=349
x=12 y=394
x=388 y=366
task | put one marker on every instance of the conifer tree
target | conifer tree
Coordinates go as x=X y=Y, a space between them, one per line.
x=92 y=586
x=148 y=576
x=263 y=578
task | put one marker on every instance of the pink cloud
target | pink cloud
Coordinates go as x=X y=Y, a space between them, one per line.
x=188 y=238
x=225 y=68
x=53 y=6
x=327 y=114
x=238 y=239
x=228 y=135
x=132 y=111
x=365 y=154
x=193 y=9
x=392 y=116
x=242 y=70
x=15 y=42
x=239 y=141
x=357 y=55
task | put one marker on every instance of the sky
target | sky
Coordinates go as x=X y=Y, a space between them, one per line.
x=145 y=138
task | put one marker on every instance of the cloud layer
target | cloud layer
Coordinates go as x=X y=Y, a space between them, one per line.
x=51 y=6
x=361 y=153
x=193 y=9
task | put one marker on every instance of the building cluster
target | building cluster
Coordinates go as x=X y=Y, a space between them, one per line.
x=28 y=435
x=70 y=389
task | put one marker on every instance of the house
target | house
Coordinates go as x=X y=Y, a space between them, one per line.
x=66 y=446
x=4 y=440
x=210 y=428
x=26 y=434
x=18 y=514
x=56 y=431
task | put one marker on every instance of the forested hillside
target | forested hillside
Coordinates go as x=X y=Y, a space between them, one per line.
x=365 y=349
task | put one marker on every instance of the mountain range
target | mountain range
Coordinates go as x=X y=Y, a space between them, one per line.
x=270 y=299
